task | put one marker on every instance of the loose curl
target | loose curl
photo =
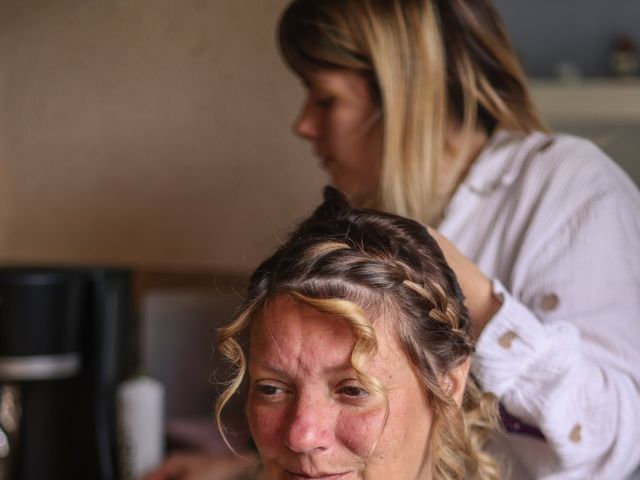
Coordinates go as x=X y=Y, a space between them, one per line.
x=363 y=265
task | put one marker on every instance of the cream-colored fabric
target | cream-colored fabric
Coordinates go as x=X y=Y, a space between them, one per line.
x=556 y=224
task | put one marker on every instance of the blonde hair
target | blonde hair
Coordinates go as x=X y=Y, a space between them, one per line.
x=429 y=62
x=362 y=265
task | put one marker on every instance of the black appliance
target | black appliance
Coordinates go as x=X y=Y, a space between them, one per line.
x=63 y=352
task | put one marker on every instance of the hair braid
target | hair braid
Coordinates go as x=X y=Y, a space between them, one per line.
x=455 y=432
x=367 y=266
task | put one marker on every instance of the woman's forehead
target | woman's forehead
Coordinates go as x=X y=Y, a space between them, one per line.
x=285 y=315
x=292 y=338
x=287 y=322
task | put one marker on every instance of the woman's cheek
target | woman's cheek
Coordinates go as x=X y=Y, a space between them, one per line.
x=266 y=423
x=360 y=431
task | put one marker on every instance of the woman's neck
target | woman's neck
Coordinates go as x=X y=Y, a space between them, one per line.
x=464 y=147
x=461 y=150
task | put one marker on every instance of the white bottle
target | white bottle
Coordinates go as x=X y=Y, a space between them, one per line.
x=140 y=413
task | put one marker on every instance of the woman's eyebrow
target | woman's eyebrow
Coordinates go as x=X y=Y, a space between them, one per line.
x=330 y=369
x=270 y=368
x=315 y=83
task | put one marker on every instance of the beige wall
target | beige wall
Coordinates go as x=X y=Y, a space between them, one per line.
x=147 y=132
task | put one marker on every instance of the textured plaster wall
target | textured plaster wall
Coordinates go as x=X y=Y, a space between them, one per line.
x=155 y=133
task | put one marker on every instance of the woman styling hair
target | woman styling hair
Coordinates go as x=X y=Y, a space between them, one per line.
x=357 y=355
x=419 y=107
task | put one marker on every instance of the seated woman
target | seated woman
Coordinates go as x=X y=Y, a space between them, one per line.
x=356 y=346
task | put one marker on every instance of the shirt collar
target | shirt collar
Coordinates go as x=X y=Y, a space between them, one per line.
x=500 y=162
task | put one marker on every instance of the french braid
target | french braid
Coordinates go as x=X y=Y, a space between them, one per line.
x=363 y=266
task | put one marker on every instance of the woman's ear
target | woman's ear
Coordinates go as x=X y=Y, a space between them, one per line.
x=455 y=381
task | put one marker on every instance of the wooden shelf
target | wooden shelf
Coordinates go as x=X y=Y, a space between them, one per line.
x=589 y=101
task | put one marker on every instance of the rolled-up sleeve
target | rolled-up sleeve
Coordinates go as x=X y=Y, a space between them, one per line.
x=563 y=352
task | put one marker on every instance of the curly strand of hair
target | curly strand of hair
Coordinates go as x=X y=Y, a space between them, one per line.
x=480 y=420
x=448 y=441
x=460 y=435
x=456 y=431
x=366 y=342
x=231 y=350
x=465 y=431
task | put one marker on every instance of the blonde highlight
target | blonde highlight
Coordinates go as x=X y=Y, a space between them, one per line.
x=386 y=269
x=430 y=62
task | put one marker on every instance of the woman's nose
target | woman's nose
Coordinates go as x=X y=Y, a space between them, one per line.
x=311 y=427
x=306 y=125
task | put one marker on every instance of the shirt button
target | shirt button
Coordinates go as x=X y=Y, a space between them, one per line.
x=576 y=434
x=549 y=302
x=507 y=339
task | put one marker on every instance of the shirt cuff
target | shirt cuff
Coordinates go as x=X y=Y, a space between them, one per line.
x=509 y=344
x=521 y=359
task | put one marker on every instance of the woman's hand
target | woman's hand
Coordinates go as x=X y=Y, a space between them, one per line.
x=477 y=289
x=201 y=466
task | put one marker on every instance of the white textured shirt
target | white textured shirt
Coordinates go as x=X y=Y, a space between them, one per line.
x=556 y=225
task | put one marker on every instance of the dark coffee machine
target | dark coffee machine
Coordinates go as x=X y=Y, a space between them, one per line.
x=63 y=352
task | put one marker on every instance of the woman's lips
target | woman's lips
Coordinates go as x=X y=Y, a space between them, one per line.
x=327 y=162
x=322 y=156
x=316 y=476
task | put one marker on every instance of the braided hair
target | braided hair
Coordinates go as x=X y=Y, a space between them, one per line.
x=364 y=265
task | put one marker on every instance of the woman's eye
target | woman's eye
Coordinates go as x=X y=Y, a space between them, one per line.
x=353 y=391
x=324 y=102
x=268 y=390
